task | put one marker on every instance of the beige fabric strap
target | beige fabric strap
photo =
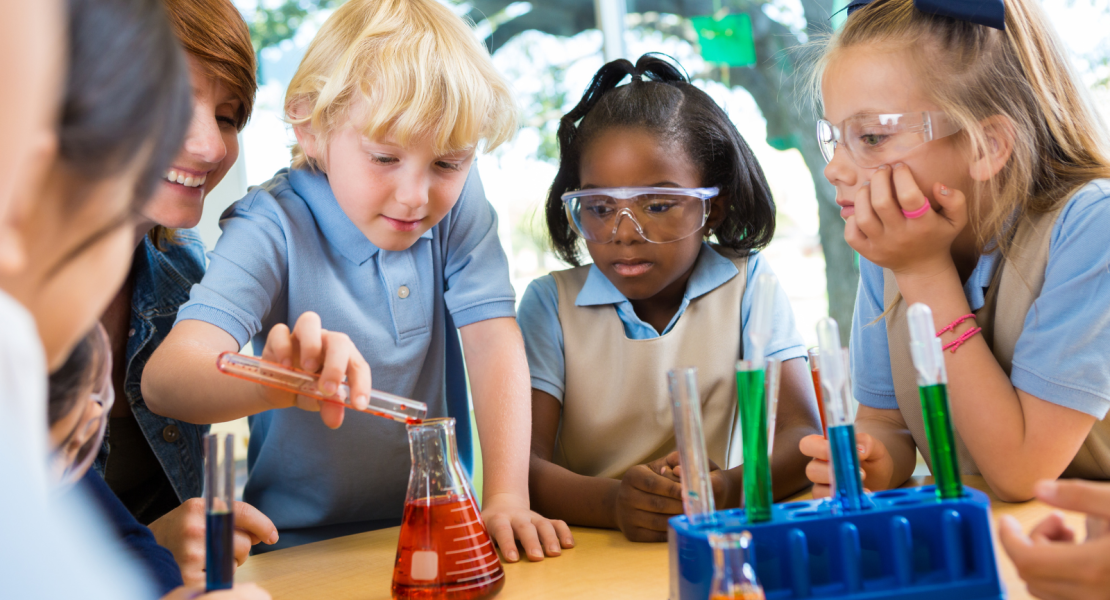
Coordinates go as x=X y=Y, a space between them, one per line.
x=1008 y=304
x=616 y=406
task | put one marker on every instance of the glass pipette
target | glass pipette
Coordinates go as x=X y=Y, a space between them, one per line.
x=278 y=377
x=846 y=484
x=756 y=404
x=932 y=385
x=697 y=488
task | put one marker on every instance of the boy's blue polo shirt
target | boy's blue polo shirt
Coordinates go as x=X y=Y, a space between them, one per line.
x=288 y=248
x=1063 y=350
x=543 y=332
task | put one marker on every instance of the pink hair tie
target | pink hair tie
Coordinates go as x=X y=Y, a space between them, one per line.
x=917 y=213
x=954 y=324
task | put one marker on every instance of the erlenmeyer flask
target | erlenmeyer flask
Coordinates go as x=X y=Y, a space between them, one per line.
x=733 y=576
x=444 y=550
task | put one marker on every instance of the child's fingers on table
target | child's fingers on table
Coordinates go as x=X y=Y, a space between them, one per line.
x=653 y=483
x=566 y=538
x=279 y=346
x=648 y=521
x=907 y=195
x=1041 y=560
x=814 y=446
x=241 y=546
x=1052 y=529
x=529 y=537
x=549 y=538
x=251 y=520
x=1073 y=494
x=652 y=503
x=501 y=530
x=309 y=335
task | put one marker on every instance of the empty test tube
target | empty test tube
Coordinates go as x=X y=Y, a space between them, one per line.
x=847 y=485
x=307 y=384
x=697 y=489
x=932 y=385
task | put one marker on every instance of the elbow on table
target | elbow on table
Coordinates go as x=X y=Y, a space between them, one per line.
x=1013 y=489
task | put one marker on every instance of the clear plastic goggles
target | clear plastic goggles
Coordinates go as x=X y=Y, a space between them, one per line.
x=76 y=453
x=881 y=139
x=659 y=214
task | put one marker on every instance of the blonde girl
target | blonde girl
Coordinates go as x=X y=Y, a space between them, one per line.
x=972 y=178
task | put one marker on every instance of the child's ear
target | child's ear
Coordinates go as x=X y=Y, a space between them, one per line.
x=716 y=212
x=307 y=140
x=1000 y=135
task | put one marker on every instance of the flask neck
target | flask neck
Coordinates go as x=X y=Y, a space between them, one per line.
x=436 y=470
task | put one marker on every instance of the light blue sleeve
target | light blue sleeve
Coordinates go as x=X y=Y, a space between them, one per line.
x=786 y=343
x=872 y=380
x=476 y=270
x=246 y=270
x=543 y=336
x=1063 y=353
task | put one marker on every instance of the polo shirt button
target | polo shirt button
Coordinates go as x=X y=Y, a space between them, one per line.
x=171 y=433
x=403 y=291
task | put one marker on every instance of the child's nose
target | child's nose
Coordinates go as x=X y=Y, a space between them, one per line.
x=841 y=170
x=412 y=193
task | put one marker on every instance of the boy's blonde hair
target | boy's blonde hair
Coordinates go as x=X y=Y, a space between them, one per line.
x=974 y=72
x=418 y=69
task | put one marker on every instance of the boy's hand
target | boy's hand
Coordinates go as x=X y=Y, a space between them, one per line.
x=1050 y=561
x=313 y=349
x=884 y=235
x=508 y=519
x=182 y=532
x=874 y=459
x=649 y=495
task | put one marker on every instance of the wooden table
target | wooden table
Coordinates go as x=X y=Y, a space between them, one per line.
x=603 y=564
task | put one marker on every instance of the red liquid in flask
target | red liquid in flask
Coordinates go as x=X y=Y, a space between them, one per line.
x=445 y=552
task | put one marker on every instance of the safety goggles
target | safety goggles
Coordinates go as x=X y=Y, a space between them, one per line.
x=882 y=139
x=659 y=214
x=76 y=453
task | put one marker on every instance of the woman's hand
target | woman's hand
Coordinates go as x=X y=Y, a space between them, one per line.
x=885 y=236
x=508 y=519
x=333 y=355
x=874 y=460
x=182 y=532
x=1050 y=561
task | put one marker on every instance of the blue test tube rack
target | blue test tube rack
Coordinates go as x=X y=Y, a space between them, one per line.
x=908 y=545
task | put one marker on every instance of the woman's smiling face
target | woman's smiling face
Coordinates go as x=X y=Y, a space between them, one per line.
x=624 y=157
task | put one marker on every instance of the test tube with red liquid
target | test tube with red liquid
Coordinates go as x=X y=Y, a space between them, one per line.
x=308 y=384
x=815 y=370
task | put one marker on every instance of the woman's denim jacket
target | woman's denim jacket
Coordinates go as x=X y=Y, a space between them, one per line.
x=162 y=283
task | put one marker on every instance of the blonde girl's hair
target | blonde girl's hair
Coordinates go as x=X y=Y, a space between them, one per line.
x=415 y=68
x=974 y=72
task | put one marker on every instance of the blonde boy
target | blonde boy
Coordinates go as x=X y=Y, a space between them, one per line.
x=380 y=230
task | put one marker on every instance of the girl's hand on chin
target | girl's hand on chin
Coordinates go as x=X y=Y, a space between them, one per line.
x=884 y=235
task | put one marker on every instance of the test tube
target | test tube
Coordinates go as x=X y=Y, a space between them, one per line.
x=219 y=491
x=815 y=371
x=932 y=385
x=276 y=376
x=697 y=489
x=847 y=486
x=757 y=397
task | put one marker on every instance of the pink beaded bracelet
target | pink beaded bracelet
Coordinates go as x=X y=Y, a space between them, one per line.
x=963 y=338
x=954 y=324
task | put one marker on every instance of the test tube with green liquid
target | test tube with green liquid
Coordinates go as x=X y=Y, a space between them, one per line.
x=757 y=401
x=932 y=385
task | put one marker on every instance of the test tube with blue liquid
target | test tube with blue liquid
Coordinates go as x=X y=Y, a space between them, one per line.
x=846 y=483
x=932 y=385
x=219 y=492
x=697 y=488
x=757 y=383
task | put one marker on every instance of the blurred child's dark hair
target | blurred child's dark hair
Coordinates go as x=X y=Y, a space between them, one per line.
x=74 y=377
x=127 y=92
x=661 y=100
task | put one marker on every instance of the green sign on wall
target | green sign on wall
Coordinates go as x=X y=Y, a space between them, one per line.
x=727 y=40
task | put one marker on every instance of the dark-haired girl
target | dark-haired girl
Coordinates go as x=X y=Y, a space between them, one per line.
x=648 y=172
